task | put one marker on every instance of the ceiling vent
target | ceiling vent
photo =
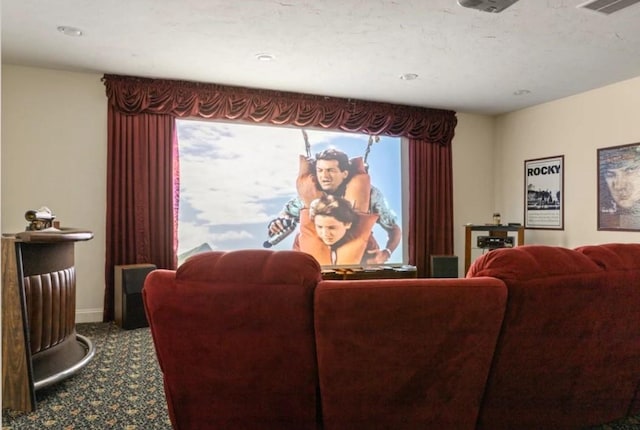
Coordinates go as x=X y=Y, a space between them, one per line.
x=608 y=7
x=493 y=6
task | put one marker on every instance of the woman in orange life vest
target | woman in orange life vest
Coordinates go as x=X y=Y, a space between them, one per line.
x=334 y=233
x=333 y=173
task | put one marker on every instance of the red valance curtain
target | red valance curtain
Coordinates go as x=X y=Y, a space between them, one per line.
x=143 y=98
x=191 y=99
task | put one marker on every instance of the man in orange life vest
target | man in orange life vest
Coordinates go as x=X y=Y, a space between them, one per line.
x=332 y=173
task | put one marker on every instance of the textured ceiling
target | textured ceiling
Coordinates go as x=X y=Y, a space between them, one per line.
x=466 y=60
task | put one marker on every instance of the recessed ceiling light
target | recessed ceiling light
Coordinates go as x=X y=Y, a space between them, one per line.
x=409 y=76
x=70 y=31
x=265 y=57
x=521 y=92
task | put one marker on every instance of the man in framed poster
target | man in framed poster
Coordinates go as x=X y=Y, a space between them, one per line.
x=619 y=187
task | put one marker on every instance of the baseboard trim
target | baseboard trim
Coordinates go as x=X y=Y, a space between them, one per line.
x=88 y=315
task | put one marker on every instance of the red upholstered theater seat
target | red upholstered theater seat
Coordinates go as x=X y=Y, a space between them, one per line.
x=622 y=261
x=568 y=356
x=405 y=354
x=614 y=256
x=234 y=338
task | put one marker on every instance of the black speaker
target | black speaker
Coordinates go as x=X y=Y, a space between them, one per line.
x=128 y=306
x=444 y=266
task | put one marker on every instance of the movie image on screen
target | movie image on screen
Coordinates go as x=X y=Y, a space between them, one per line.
x=335 y=195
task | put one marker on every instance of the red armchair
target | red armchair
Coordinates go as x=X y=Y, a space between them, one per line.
x=234 y=337
x=569 y=349
x=406 y=354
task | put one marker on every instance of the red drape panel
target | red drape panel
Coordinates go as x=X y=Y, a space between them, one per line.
x=430 y=203
x=142 y=191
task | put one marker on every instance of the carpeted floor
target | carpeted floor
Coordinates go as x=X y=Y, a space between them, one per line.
x=121 y=388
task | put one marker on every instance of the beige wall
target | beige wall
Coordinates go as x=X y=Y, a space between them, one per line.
x=473 y=163
x=54 y=153
x=574 y=127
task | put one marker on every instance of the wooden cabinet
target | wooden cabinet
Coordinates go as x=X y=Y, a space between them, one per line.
x=40 y=345
x=376 y=272
x=514 y=233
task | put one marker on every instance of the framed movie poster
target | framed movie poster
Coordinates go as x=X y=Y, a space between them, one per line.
x=619 y=188
x=544 y=191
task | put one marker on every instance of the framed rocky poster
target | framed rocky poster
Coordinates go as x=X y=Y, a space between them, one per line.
x=619 y=188
x=544 y=193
